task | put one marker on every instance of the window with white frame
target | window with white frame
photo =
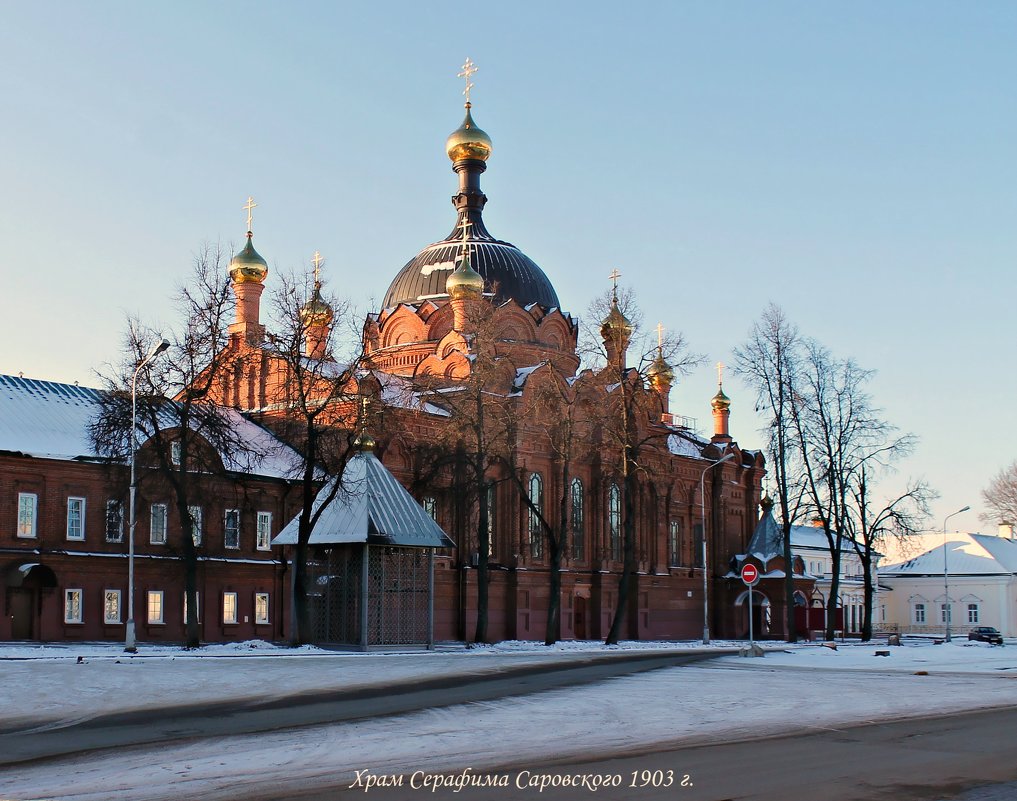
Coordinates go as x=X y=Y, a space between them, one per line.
x=194 y=513
x=114 y=521
x=261 y=607
x=578 y=535
x=155 y=606
x=264 y=531
x=536 y=509
x=72 y=606
x=674 y=544
x=232 y=524
x=229 y=607
x=945 y=613
x=28 y=504
x=492 y=516
x=614 y=521
x=157 y=526
x=919 y=613
x=75 y=518
x=111 y=607
x=972 y=613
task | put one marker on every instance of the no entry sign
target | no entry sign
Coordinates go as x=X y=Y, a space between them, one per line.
x=750 y=574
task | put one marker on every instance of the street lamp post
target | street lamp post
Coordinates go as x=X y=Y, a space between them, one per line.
x=130 y=642
x=947 y=609
x=706 y=569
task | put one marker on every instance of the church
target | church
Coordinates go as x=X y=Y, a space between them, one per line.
x=652 y=500
x=470 y=300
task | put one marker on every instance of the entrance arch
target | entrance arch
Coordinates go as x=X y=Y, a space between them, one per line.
x=25 y=582
x=761 y=614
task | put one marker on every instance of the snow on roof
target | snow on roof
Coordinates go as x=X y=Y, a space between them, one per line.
x=523 y=373
x=51 y=420
x=967 y=554
x=685 y=445
x=371 y=507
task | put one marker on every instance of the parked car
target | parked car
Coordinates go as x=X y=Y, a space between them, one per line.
x=986 y=634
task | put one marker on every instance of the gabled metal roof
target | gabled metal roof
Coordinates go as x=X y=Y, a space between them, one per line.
x=371 y=507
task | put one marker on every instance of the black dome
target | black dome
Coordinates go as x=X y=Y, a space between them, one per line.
x=507 y=271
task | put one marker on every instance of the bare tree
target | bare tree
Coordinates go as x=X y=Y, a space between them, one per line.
x=1001 y=496
x=319 y=411
x=770 y=363
x=629 y=418
x=186 y=436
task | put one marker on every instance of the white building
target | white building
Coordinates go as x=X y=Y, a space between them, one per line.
x=972 y=581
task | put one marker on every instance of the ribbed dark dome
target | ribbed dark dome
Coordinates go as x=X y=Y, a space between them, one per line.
x=507 y=271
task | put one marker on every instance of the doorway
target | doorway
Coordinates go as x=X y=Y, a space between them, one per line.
x=21 y=603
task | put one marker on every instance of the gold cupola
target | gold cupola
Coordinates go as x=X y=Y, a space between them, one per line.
x=464 y=282
x=248 y=267
x=616 y=326
x=468 y=141
x=660 y=372
x=720 y=402
x=316 y=311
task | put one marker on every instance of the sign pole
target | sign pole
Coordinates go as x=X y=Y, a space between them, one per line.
x=750 y=615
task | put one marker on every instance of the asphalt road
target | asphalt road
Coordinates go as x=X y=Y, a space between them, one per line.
x=924 y=759
x=58 y=738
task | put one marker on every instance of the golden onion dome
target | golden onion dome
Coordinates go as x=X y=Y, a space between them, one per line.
x=316 y=311
x=468 y=141
x=616 y=324
x=364 y=441
x=720 y=402
x=766 y=503
x=464 y=281
x=660 y=371
x=247 y=267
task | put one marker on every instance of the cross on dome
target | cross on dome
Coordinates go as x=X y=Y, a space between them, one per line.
x=660 y=335
x=316 y=261
x=469 y=68
x=720 y=373
x=249 y=208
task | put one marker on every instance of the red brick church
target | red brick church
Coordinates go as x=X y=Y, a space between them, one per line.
x=427 y=334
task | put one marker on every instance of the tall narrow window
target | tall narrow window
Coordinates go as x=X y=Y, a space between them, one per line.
x=264 y=531
x=614 y=521
x=229 y=607
x=75 y=518
x=114 y=521
x=972 y=613
x=578 y=535
x=674 y=544
x=111 y=607
x=945 y=613
x=232 y=524
x=197 y=607
x=261 y=608
x=536 y=510
x=175 y=452
x=72 y=606
x=919 y=613
x=194 y=512
x=27 y=505
x=157 y=530
x=155 y=607
x=430 y=506
x=492 y=516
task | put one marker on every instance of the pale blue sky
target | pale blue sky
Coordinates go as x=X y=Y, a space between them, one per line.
x=851 y=161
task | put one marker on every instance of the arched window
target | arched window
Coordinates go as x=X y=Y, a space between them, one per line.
x=578 y=537
x=536 y=508
x=674 y=543
x=430 y=506
x=492 y=515
x=614 y=521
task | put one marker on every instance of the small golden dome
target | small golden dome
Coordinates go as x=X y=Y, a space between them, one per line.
x=364 y=441
x=616 y=324
x=720 y=402
x=468 y=141
x=766 y=503
x=660 y=371
x=247 y=267
x=464 y=281
x=316 y=311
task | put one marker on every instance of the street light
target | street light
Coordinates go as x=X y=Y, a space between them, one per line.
x=706 y=570
x=130 y=643
x=947 y=610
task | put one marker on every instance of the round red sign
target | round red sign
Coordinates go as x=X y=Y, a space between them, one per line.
x=750 y=574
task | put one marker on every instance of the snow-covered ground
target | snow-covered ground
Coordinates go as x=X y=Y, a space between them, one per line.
x=800 y=688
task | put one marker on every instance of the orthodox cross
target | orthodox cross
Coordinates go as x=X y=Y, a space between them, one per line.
x=720 y=373
x=465 y=225
x=614 y=276
x=316 y=261
x=249 y=208
x=660 y=336
x=468 y=69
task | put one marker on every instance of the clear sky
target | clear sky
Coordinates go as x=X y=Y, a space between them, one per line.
x=852 y=162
